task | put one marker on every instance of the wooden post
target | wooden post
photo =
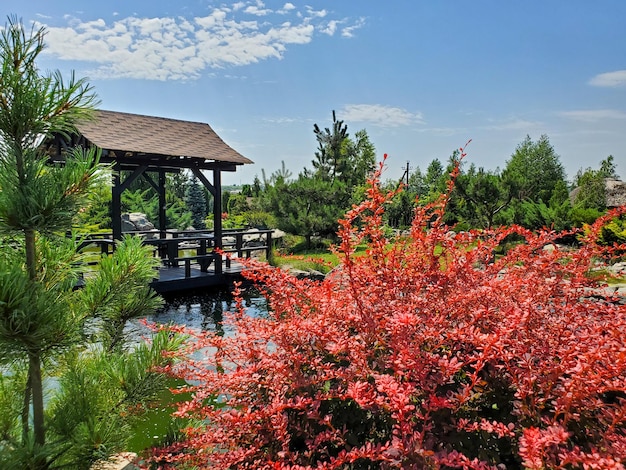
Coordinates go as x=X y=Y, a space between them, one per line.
x=217 y=216
x=239 y=244
x=268 y=249
x=162 y=203
x=116 y=203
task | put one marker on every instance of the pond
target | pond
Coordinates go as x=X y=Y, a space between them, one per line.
x=204 y=311
x=200 y=311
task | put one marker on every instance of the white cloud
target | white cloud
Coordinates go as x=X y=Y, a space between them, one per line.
x=330 y=28
x=287 y=7
x=282 y=120
x=443 y=131
x=593 y=115
x=185 y=48
x=609 y=79
x=315 y=13
x=379 y=115
x=258 y=9
x=348 y=31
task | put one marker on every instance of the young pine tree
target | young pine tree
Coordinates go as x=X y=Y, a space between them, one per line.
x=47 y=327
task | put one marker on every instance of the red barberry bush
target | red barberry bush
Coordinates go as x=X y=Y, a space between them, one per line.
x=429 y=352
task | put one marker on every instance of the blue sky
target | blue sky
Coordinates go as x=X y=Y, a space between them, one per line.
x=421 y=77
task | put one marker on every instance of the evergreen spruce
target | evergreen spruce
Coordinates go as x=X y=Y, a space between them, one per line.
x=196 y=203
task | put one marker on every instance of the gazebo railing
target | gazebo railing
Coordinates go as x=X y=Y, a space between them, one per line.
x=193 y=248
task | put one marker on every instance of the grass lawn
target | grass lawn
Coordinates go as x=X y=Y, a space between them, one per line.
x=318 y=257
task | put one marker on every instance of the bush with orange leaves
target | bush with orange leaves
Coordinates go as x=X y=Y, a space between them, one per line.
x=428 y=352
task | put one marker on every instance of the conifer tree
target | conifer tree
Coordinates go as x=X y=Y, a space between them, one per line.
x=47 y=327
x=32 y=105
x=311 y=204
x=534 y=169
x=196 y=203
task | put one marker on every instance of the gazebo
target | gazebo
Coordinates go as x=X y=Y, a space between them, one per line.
x=151 y=146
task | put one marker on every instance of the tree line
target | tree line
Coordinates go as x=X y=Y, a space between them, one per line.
x=531 y=190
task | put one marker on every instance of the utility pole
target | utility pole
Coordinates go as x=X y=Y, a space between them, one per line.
x=406 y=172
x=405 y=179
x=405 y=176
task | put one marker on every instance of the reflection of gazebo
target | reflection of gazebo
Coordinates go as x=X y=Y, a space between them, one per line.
x=151 y=146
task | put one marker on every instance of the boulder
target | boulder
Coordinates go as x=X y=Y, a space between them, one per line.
x=308 y=274
x=127 y=225
x=618 y=269
x=136 y=222
x=615 y=191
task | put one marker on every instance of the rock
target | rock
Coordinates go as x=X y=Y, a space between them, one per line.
x=550 y=247
x=309 y=274
x=127 y=225
x=253 y=243
x=153 y=234
x=278 y=234
x=136 y=222
x=122 y=461
x=618 y=269
x=141 y=221
x=316 y=275
x=615 y=191
x=253 y=238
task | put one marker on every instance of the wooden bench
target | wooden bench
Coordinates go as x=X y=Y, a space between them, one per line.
x=204 y=261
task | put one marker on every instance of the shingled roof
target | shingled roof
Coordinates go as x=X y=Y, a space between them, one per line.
x=150 y=135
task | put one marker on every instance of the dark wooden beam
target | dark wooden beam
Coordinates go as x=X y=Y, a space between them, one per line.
x=132 y=177
x=203 y=179
x=151 y=182
x=57 y=154
x=160 y=161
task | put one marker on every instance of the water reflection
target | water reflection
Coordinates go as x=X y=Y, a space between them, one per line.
x=200 y=311
x=205 y=311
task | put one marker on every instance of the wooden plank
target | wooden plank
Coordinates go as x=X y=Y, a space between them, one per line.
x=175 y=279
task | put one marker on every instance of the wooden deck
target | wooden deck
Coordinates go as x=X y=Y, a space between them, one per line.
x=189 y=260
x=174 y=279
